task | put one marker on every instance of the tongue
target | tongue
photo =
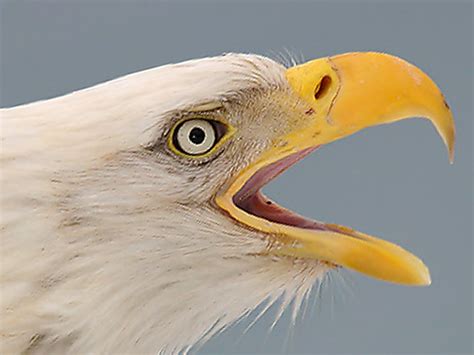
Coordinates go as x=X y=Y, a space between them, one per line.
x=258 y=205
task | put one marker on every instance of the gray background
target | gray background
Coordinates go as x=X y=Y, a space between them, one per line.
x=391 y=181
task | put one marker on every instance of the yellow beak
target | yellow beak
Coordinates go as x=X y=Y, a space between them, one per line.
x=342 y=95
x=367 y=89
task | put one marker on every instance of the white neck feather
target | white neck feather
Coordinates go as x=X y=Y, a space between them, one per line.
x=178 y=279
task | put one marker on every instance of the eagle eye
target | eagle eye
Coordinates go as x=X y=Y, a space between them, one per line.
x=197 y=137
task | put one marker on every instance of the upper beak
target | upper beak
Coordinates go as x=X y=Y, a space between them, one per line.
x=359 y=90
x=342 y=95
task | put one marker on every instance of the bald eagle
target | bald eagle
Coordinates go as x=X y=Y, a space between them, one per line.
x=132 y=217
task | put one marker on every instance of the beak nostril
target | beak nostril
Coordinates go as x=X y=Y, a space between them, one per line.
x=323 y=87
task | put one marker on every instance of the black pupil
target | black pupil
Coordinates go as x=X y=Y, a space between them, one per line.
x=197 y=135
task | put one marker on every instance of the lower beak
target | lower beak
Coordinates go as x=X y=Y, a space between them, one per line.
x=342 y=95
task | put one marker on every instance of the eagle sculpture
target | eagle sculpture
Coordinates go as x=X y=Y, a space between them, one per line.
x=132 y=217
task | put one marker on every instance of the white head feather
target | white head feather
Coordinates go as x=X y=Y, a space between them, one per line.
x=109 y=247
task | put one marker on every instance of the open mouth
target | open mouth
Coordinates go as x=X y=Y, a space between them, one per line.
x=251 y=200
x=301 y=237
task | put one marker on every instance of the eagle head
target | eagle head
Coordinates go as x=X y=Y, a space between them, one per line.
x=132 y=213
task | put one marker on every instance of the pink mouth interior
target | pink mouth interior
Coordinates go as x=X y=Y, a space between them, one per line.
x=251 y=200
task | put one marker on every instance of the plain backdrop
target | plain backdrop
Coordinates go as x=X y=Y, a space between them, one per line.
x=391 y=181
